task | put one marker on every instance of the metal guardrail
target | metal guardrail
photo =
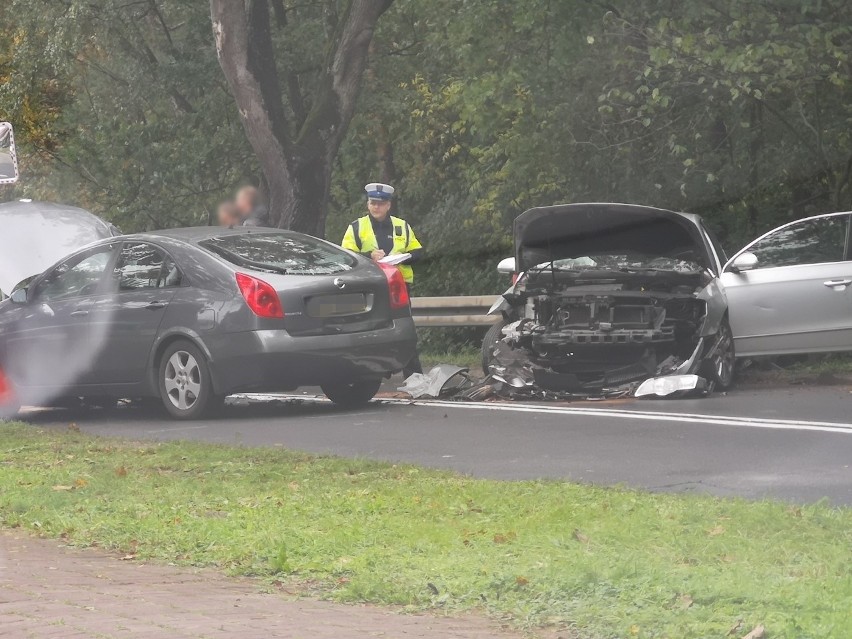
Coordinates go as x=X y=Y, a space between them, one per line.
x=464 y=310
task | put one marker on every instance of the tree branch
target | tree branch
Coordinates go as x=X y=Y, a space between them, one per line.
x=344 y=69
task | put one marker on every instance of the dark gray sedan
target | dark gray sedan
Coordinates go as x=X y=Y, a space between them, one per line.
x=190 y=316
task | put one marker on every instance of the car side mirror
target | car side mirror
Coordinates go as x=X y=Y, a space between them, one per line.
x=506 y=266
x=8 y=155
x=19 y=296
x=743 y=262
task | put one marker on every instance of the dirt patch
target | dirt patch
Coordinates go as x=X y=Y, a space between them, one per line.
x=51 y=590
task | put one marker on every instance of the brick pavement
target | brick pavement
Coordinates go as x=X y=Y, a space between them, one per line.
x=48 y=591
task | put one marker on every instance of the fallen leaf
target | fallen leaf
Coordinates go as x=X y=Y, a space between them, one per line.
x=634 y=630
x=583 y=539
x=759 y=632
x=500 y=538
x=121 y=471
x=129 y=557
x=715 y=532
x=59 y=487
x=522 y=581
x=80 y=483
x=685 y=601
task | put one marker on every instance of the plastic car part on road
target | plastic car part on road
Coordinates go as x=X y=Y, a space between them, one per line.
x=441 y=381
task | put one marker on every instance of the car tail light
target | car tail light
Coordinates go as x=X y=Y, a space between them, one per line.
x=396 y=286
x=261 y=298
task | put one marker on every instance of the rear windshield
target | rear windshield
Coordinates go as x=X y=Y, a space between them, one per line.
x=285 y=253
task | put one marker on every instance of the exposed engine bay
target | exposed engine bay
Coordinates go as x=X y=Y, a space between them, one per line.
x=608 y=300
x=599 y=331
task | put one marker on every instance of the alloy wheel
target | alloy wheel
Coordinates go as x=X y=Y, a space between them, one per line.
x=724 y=359
x=182 y=380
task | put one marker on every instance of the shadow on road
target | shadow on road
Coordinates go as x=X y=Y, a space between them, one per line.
x=236 y=409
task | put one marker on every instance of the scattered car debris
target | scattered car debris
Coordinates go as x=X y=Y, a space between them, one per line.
x=444 y=380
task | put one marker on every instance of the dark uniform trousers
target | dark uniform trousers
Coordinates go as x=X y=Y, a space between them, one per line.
x=414 y=365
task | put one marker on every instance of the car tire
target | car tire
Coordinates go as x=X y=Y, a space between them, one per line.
x=352 y=394
x=494 y=335
x=721 y=367
x=184 y=381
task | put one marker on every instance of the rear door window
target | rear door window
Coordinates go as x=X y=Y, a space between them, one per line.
x=145 y=266
x=285 y=253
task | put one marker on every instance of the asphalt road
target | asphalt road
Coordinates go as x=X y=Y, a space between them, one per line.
x=792 y=443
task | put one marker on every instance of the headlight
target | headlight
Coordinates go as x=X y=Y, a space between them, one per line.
x=663 y=386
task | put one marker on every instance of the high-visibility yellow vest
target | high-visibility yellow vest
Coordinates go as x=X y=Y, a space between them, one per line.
x=360 y=238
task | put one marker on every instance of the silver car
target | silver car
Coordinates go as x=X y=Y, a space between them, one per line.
x=613 y=298
x=789 y=290
x=610 y=300
x=37 y=234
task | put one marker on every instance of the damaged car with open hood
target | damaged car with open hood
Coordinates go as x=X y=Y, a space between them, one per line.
x=611 y=300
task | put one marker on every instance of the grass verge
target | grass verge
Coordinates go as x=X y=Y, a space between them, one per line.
x=603 y=562
x=467 y=357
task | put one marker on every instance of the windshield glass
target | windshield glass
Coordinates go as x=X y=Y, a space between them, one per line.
x=284 y=253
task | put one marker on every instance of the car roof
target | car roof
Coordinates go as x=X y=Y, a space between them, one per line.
x=194 y=234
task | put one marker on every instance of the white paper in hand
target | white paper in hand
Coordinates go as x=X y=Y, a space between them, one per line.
x=395 y=259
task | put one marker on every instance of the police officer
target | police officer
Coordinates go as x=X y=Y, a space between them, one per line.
x=379 y=234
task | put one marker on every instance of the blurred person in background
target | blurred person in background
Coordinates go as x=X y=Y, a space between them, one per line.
x=250 y=208
x=228 y=215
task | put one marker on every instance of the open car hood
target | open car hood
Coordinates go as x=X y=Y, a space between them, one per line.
x=569 y=231
x=36 y=235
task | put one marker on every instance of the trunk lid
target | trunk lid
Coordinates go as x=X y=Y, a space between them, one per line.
x=351 y=302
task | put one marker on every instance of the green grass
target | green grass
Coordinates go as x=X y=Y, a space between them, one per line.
x=824 y=365
x=603 y=562
x=467 y=357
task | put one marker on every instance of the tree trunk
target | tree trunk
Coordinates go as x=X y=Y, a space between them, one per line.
x=296 y=151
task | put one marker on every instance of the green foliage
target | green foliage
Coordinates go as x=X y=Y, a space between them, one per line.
x=144 y=131
x=592 y=561
x=737 y=111
x=476 y=111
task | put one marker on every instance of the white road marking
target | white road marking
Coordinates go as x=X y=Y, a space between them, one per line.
x=610 y=413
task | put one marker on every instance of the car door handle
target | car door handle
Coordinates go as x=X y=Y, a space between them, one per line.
x=833 y=283
x=155 y=305
x=79 y=313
